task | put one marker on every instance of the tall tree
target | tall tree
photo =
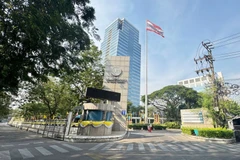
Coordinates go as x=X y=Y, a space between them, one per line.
x=171 y=99
x=5 y=101
x=88 y=73
x=39 y=37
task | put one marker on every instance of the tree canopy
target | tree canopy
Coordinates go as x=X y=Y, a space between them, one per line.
x=41 y=37
x=5 y=101
x=171 y=99
x=60 y=95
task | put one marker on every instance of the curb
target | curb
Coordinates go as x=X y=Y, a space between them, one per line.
x=92 y=139
x=213 y=140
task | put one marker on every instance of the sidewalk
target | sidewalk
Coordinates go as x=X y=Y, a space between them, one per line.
x=115 y=136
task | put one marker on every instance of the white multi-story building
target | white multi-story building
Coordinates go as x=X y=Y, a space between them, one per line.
x=198 y=83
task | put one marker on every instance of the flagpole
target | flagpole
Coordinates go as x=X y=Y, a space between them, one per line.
x=146 y=79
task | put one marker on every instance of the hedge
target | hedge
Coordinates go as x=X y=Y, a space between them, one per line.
x=144 y=126
x=215 y=133
x=209 y=132
x=172 y=125
x=187 y=130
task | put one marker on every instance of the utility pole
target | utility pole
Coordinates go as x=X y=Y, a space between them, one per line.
x=209 y=59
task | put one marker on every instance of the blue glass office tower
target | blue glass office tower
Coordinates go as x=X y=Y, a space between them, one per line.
x=122 y=39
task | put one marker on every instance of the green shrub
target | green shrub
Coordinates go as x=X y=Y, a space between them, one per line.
x=138 y=126
x=187 y=130
x=209 y=132
x=159 y=126
x=144 y=126
x=215 y=133
x=172 y=125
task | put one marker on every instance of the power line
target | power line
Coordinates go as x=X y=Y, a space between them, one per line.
x=226 y=55
x=225 y=37
x=226 y=44
x=226 y=40
x=227 y=58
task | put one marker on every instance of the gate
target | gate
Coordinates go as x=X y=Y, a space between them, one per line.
x=55 y=129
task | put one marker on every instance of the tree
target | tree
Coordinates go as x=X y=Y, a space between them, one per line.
x=227 y=108
x=54 y=95
x=129 y=106
x=41 y=37
x=88 y=73
x=34 y=110
x=171 y=99
x=5 y=101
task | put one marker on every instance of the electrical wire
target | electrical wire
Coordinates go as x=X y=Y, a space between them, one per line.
x=226 y=44
x=226 y=40
x=226 y=55
x=227 y=58
x=226 y=37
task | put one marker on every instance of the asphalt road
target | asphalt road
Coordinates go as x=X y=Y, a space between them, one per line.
x=16 y=144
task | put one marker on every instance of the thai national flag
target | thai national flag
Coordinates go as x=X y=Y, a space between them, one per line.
x=154 y=28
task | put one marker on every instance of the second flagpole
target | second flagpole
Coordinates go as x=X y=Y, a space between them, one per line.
x=146 y=78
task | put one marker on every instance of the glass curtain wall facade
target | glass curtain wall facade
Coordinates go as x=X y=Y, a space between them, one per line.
x=122 y=39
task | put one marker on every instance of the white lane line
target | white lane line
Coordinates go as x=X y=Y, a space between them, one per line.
x=175 y=148
x=59 y=149
x=43 y=151
x=162 y=147
x=37 y=142
x=108 y=146
x=151 y=146
x=25 y=153
x=130 y=147
x=119 y=147
x=23 y=144
x=7 y=145
x=183 y=147
x=194 y=147
x=97 y=146
x=5 y=155
x=141 y=147
x=72 y=147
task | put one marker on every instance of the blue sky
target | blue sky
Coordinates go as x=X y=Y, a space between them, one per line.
x=185 y=23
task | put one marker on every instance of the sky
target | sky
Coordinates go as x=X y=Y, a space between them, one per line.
x=186 y=23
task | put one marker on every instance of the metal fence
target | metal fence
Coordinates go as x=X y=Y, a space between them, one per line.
x=55 y=129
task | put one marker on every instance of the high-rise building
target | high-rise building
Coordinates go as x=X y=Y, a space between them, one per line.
x=122 y=39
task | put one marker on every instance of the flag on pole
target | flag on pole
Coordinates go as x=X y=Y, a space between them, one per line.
x=154 y=28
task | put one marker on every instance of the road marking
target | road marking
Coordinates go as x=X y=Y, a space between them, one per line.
x=5 y=155
x=201 y=146
x=59 y=149
x=162 y=147
x=183 y=147
x=43 y=151
x=72 y=147
x=25 y=153
x=175 y=148
x=23 y=144
x=119 y=147
x=108 y=146
x=194 y=147
x=151 y=146
x=130 y=147
x=141 y=147
x=97 y=146
x=37 y=142
x=8 y=145
x=219 y=147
